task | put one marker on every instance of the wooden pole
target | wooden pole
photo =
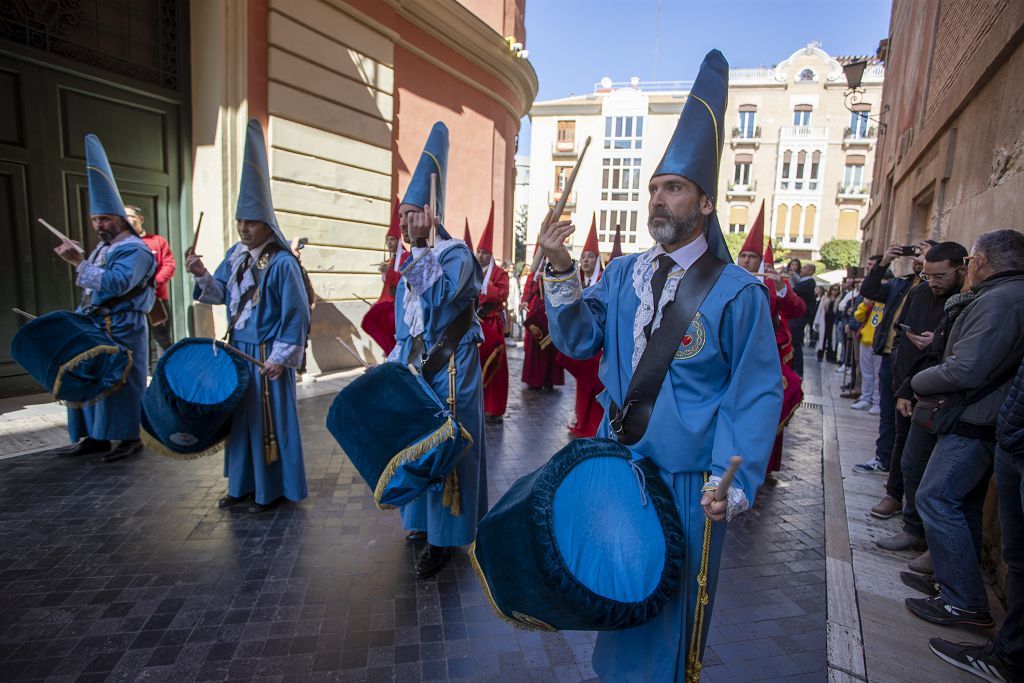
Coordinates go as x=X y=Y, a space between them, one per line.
x=352 y=351
x=61 y=236
x=23 y=313
x=365 y=301
x=195 y=238
x=556 y=214
x=433 y=206
x=730 y=474
x=232 y=349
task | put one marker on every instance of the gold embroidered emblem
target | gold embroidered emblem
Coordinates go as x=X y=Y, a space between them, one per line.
x=263 y=261
x=693 y=341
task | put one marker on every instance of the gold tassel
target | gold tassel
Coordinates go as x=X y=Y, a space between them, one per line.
x=157 y=446
x=270 y=450
x=87 y=355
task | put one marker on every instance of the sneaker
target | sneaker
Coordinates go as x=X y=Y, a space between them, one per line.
x=938 y=611
x=860 y=405
x=841 y=369
x=887 y=508
x=902 y=541
x=922 y=564
x=979 y=660
x=920 y=583
x=873 y=466
x=875 y=410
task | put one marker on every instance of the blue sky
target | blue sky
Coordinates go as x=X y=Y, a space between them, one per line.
x=573 y=43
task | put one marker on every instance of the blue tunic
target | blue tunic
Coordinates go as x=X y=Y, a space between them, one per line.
x=111 y=271
x=441 y=282
x=720 y=397
x=272 y=327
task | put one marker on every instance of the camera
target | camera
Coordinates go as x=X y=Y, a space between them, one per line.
x=910 y=250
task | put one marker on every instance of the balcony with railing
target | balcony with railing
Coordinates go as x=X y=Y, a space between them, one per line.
x=563 y=148
x=803 y=133
x=860 y=137
x=852 y=192
x=745 y=137
x=553 y=198
x=736 y=190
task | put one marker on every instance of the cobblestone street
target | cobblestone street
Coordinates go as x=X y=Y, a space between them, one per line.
x=130 y=572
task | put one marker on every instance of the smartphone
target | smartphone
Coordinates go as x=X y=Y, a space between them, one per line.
x=909 y=250
x=905 y=328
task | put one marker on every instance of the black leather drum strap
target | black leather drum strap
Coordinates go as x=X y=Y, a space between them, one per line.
x=629 y=423
x=443 y=348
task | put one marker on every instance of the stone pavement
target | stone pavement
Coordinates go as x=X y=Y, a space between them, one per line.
x=129 y=571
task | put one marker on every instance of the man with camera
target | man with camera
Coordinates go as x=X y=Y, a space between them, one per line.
x=959 y=400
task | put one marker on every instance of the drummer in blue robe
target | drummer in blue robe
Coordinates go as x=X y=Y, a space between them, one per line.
x=117 y=293
x=261 y=283
x=720 y=395
x=438 y=284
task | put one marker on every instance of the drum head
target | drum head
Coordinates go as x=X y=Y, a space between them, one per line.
x=197 y=374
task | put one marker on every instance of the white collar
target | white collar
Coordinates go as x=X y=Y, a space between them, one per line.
x=686 y=255
x=254 y=252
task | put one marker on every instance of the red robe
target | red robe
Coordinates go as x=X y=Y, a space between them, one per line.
x=783 y=309
x=540 y=368
x=589 y=412
x=493 y=359
x=379 y=321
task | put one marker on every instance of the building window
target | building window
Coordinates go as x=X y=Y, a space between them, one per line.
x=812 y=183
x=809 y=217
x=802 y=115
x=853 y=174
x=801 y=163
x=796 y=217
x=781 y=215
x=737 y=219
x=859 y=122
x=623 y=132
x=566 y=140
x=849 y=222
x=748 y=116
x=562 y=174
x=742 y=175
x=610 y=218
x=787 y=158
x=807 y=75
x=620 y=179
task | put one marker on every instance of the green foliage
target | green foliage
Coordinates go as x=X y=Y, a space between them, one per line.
x=735 y=243
x=519 y=236
x=836 y=254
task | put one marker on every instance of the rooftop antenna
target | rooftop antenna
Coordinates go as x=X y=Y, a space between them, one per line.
x=657 y=35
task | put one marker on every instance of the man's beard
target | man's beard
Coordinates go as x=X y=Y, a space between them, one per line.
x=106 y=236
x=675 y=229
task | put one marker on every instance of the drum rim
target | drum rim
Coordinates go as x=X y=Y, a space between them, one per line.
x=180 y=405
x=552 y=564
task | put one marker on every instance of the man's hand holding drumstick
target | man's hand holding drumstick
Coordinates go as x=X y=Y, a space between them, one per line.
x=552 y=242
x=714 y=502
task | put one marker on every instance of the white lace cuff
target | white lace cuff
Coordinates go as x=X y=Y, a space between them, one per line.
x=210 y=291
x=563 y=289
x=288 y=355
x=90 y=276
x=736 y=500
x=423 y=272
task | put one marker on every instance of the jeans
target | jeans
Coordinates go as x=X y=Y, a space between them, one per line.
x=1010 y=489
x=869 y=369
x=950 y=502
x=916 y=453
x=887 y=421
x=796 y=329
x=894 y=482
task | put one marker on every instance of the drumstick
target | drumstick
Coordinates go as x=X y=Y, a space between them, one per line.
x=243 y=354
x=433 y=205
x=556 y=214
x=352 y=351
x=61 y=236
x=195 y=238
x=365 y=301
x=27 y=315
x=723 y=486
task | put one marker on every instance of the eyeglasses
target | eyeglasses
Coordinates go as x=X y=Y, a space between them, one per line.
x=925 y=277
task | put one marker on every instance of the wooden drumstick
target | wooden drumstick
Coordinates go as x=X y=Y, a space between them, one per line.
x=195 y=238
x=556 y=214
x=433 y=205
x=61 y=236
x=352 y=351
x=23 y=313
x=365 y=301
x=730 y=474
x=243 y=354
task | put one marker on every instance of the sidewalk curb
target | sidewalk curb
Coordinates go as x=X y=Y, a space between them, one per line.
x=844 y=639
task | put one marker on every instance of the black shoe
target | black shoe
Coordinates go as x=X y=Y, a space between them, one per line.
x=416 y=537
x=980 y=660
x=228 y=500
x=124 y=449
x=86 y=446
x=920 y=583
x=938 y=611
x=494 y=419
x=431 y=561
x=256 y=508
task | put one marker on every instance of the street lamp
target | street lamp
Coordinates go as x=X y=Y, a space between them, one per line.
x=854 y=72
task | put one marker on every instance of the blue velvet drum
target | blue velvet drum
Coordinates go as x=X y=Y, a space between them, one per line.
x=402 y=439
x=591 y=541
x=72 y=357
x=187 y=408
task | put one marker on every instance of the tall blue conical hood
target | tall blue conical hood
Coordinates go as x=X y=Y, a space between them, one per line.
x=254 y=200
x=104 y=197
x=695 y=149
x=434 y=159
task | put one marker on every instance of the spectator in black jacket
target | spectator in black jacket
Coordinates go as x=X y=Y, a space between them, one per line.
x=943 y=276
x=803 y=286
x=1005 y=655
x=880 y=286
